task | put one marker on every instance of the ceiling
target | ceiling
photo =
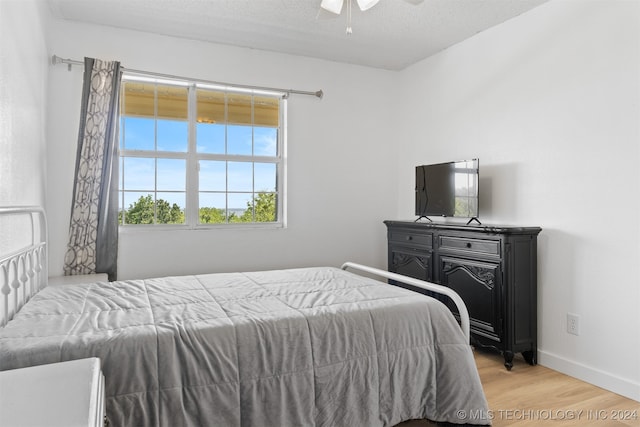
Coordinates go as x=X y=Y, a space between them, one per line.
x=392 y=35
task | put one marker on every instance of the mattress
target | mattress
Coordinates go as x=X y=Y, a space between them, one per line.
x=300 y=347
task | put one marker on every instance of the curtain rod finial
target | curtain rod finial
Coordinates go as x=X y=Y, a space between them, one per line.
x=319 y=94
x=55 y=60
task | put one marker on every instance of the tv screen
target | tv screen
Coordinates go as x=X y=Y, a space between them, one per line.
x=447 y=189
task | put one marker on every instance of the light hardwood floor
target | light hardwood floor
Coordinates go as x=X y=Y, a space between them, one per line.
x=530 y=396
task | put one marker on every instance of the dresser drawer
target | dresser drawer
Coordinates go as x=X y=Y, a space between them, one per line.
x=491 y=247
x=407 y=236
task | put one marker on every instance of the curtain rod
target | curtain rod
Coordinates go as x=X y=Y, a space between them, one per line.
x=55 y=60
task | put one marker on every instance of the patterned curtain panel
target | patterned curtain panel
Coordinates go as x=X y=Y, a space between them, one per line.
x=93 y=230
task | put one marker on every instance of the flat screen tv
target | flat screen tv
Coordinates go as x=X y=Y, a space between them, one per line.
x=448 y=190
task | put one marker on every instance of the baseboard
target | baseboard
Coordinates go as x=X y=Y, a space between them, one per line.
x=605 y=380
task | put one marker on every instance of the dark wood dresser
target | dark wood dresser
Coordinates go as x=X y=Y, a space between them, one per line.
x=493 y=268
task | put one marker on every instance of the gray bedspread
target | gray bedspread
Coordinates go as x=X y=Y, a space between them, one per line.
x=302 y=347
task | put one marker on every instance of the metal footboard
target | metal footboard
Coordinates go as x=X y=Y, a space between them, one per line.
x=462 y=308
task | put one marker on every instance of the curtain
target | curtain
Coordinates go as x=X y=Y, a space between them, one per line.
x=93 y=228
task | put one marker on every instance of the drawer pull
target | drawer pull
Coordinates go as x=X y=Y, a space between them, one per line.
x=468 y=244
x=409 y=238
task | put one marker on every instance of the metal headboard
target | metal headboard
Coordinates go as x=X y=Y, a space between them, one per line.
x=23 y=272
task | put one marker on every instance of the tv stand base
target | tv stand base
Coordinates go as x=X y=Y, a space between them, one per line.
x=425 y=217
x=474 y=219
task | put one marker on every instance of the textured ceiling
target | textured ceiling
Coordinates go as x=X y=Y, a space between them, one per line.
x=391 y=35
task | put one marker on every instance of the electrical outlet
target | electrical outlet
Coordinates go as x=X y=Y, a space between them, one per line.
x=573 y=324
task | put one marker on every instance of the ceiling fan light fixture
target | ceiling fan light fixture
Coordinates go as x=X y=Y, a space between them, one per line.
x=333 y=6
x=366 y=4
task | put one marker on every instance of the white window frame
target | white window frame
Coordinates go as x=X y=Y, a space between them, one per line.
x=193 y=158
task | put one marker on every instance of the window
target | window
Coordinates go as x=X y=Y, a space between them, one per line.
x=197 y=155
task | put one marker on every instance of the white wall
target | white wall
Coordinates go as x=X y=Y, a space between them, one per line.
x=339 y=179
x=549 y=102
x=23 y=78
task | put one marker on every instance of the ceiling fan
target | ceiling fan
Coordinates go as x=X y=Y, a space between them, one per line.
x=335 y=6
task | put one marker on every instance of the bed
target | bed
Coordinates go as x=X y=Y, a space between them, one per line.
x=315 y=346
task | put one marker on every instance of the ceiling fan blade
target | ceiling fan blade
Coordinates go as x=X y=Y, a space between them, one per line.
x=322 y=15
x=366 y=4
x=333 y=6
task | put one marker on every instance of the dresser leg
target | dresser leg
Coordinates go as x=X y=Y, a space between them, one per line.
x=508 y=360
x=530 y=357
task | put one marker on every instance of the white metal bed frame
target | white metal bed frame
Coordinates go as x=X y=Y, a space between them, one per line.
x=24 y=272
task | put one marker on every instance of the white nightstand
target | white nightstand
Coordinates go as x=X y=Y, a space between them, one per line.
x=66 y=394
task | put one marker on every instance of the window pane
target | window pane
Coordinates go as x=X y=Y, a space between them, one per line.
x=265 y=176
x=265 y=141
x=120 y=176
x=173 y=136
x=172 y=102
x=265 y=207
x=240 y=176
x=170 y=208
x=239 y=140
x=238 y=204
x=139 y=174
x=213 y=200
x=210 y=138
x=121 y=133
x=139 y=133
x=172 y=174
x=139 y=208
x=138 y=99
x=213 y=176
x=213 y=209
x=211 y=106
x=239 y=109
x=266 y=111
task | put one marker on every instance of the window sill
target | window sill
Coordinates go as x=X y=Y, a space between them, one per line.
x=134 y=229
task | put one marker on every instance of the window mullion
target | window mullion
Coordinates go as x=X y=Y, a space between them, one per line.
x=121 y=171
x=226 y=151
x=192 y=196
x=238 y=158
x=150 y=154
x=281 y=166
x=155 y=159
x=253 y=164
